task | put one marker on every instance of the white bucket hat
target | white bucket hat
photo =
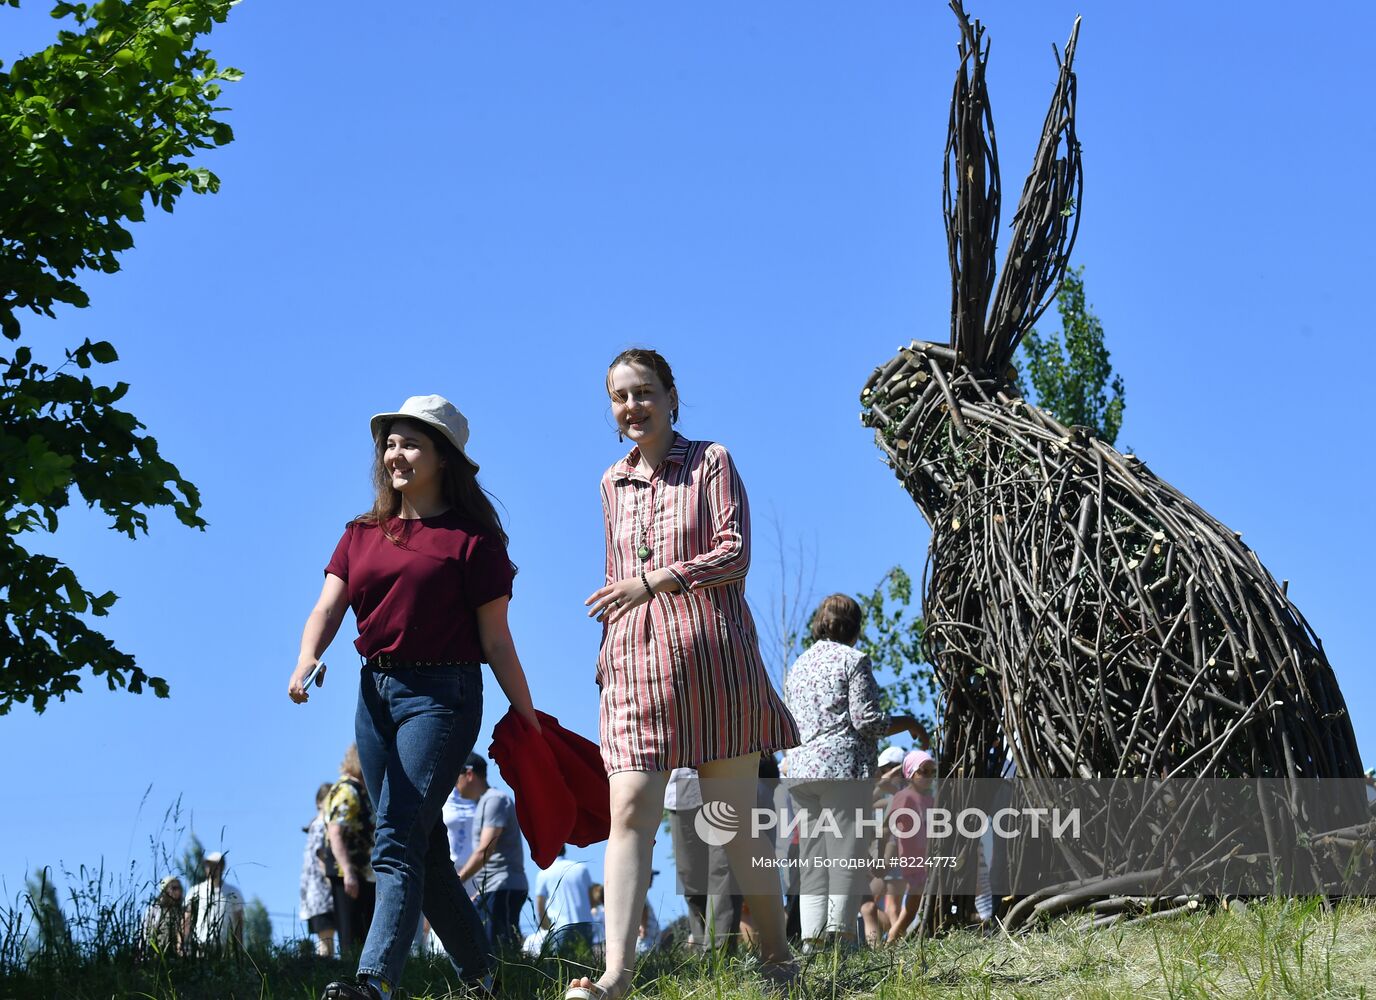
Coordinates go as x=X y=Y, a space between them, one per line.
x=433 y=411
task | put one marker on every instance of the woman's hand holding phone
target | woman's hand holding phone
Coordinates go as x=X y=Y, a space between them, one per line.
x=301 y=679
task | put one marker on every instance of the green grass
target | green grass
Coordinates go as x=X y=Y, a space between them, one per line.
x=1279 y=948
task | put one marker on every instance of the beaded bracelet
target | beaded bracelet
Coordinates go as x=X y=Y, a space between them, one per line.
x=646 y=581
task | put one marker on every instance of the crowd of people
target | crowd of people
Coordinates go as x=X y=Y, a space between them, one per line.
x=208 y=918
x=837 y=771
x=681 y=686
x=486 y=850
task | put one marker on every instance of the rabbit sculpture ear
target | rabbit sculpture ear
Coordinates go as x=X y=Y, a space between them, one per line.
x=970 y=196
x=1044 y=227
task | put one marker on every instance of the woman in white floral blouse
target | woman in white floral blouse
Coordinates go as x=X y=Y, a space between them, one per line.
x=317 y=902
x=835 y=700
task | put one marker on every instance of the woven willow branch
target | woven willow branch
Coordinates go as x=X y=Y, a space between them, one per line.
x=1090 y=621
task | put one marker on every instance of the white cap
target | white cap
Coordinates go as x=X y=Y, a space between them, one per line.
x=891 y=756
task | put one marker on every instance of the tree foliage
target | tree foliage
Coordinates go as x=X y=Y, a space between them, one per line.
x=93 y=128
x=1069 y=373
x=193 y=860
x=257 y=925
x=49 y=934
x=892 y=638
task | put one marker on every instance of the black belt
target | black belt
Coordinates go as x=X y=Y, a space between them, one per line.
x=386 y=663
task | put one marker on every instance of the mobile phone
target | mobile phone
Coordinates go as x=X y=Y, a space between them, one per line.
x=316 y=674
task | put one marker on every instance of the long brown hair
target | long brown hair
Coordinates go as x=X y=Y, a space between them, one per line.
x=459 y=486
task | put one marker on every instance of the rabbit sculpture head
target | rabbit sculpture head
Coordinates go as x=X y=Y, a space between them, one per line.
x=912 y=400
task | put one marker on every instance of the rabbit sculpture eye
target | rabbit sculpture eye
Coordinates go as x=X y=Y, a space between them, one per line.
x=1086 y=620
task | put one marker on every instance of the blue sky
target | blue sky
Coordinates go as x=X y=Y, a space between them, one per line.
x=490 y=200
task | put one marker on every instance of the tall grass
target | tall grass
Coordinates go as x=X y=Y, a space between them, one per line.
x=1278 y=948
x=1294 y=948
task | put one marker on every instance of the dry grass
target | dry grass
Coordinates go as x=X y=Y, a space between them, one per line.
x=1281 y=948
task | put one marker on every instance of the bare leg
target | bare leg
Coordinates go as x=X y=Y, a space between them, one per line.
x=911 y=902
x=869 y=913
x=324 y=943
x=637 y=805
x=893 y=902
x=749 y=934
x=735 y=782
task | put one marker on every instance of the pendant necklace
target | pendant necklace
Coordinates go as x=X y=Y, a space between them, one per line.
x=642 y=529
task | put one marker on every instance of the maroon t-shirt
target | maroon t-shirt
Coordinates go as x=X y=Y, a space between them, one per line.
x=418 y=600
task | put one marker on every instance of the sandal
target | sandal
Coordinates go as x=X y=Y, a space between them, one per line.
x=594 y=992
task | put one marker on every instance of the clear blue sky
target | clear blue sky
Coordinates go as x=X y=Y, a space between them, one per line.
x=489 y=200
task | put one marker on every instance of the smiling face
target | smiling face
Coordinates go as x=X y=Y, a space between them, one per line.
x=411 y=459
x=641 y=406
x=924 y=775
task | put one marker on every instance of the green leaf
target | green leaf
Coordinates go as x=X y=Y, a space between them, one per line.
x=104 y=352
x=76 y=597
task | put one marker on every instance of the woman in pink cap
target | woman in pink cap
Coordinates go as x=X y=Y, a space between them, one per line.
x=908 y=818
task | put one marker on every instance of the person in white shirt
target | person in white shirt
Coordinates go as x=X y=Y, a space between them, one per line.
x=214 y=910
x=563 y=905
x=458 y=813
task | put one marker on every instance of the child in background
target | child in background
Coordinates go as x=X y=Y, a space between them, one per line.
x=891 y=887
x=913 y=801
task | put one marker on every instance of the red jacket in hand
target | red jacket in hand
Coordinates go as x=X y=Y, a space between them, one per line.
x=557 y=778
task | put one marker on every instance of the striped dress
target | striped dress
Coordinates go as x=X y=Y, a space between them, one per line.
x=681 y=677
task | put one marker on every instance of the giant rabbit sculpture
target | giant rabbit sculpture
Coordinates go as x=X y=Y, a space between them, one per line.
x=1085 y=619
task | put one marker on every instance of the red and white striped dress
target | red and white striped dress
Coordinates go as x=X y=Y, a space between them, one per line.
x=681 y=677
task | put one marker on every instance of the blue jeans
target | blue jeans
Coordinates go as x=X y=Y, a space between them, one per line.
x=501 y=913
x=415 y=729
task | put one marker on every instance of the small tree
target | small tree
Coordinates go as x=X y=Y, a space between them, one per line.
x=892 y=638
x=193 y=860
x=784 y=628
x=257 y=925
x=92 y=129
x=49 y=934
x=1069 y=374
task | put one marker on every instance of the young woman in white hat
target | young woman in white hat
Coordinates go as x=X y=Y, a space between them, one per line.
x=427 y=575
